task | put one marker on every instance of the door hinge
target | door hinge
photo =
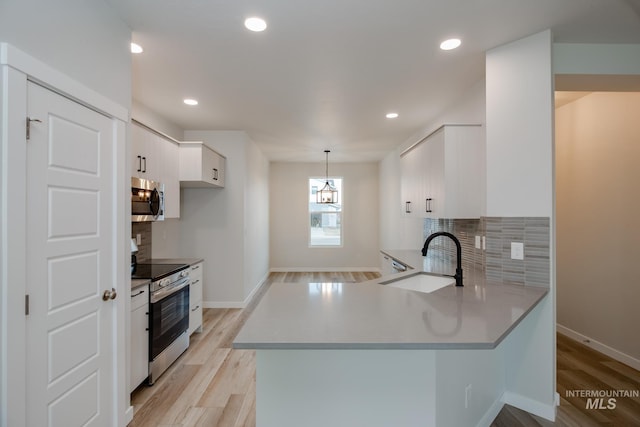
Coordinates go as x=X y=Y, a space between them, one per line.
x=26 y=305
x=29 y=120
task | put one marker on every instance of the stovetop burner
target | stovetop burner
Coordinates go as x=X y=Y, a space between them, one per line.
x=156 y=271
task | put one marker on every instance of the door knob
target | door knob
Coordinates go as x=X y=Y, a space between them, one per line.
x=109 y=294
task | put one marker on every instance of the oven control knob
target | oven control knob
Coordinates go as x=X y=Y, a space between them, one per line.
x=183 y=273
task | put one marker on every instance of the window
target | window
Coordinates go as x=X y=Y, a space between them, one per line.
x=325 y=220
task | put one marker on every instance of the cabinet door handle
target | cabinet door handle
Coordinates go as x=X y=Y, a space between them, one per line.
x=194 y=282
x=215 y=174
x=139 y=163
x=196 y=307
x=145 y=165
x=195 y=267
x=139 y=293
x=427 y=204
x=398 y=267
x=407 y=207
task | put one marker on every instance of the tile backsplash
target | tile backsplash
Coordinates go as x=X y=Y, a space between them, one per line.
x=533 y=232
x=144 y=249
x=465 y=230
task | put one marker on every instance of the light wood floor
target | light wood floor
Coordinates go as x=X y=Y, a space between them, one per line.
x=213 y=385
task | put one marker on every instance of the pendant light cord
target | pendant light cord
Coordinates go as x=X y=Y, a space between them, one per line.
x=327 y=165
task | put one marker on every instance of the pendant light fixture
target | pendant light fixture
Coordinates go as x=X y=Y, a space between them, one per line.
x=328 y=194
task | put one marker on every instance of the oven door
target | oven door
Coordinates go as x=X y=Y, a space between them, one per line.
x=168 y=318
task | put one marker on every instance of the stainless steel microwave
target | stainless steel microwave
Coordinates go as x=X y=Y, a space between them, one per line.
x=147 y=200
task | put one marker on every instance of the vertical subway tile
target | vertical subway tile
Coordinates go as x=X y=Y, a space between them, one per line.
x=496 y=260
x=534 y=233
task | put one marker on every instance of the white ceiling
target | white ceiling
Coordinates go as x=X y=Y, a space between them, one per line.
x=325 y=73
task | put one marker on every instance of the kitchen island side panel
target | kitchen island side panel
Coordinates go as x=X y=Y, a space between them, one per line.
x=379 y=388
x=319 y=388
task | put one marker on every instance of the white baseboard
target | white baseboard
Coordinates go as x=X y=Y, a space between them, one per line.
x=323 y=269
x=236 y=304
x=544 y=410
x=491 y=414
x=128 y=415
x=223 y=304
x=598 y=346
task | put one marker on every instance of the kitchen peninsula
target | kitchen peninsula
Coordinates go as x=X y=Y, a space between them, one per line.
x=351 y=354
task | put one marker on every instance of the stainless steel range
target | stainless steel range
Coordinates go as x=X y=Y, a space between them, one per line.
x=168 y=314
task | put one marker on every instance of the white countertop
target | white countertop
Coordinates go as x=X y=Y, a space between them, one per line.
x=368 y=315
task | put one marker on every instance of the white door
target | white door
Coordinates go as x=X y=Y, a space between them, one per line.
x=70 y=247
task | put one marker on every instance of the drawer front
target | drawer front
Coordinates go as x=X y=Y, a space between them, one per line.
x=196 y=272
x=195 y=294
x=139 y=297
x=195 y=318
x=196 y=284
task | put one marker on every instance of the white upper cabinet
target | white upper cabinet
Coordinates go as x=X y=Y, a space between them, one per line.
x=442 y=176
x=170 y=177
x=411 y=180
x=156 y=158
x=200 y=166
x=142 y=151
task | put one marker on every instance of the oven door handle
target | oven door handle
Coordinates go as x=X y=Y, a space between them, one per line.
x=165 y=292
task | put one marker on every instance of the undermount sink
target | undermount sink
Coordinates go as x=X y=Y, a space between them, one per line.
x=420 y=282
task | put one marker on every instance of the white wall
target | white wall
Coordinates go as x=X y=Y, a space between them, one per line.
x=226 y=227
x=597 y=177
x=256 y=218
x=520 y=183
x=85 y=40
x=397 y=231
x=156 y=122
x=85 y=45
x=289 y=205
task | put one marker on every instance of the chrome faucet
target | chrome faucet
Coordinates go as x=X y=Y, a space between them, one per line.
x=458 y=275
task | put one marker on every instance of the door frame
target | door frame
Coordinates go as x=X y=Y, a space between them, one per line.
x=16 y=68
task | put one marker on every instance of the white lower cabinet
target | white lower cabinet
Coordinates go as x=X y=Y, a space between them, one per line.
x=139 y=336
x=195 y=298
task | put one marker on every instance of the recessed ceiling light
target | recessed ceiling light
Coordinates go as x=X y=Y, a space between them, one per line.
x=190 y=101
x=450 y=44
x=392 y=115
x=255 y=24
x=136 y=48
